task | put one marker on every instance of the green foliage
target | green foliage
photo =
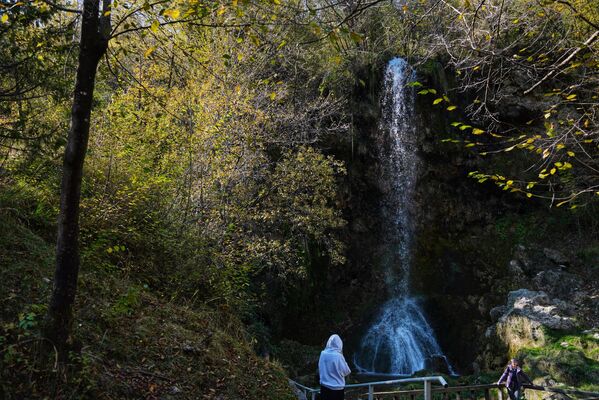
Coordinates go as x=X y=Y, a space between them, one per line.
x=203 y=180
x=130 y=341
x=572 y=359
x=514 y=228
x=30 y=319
x=298 y=359
x=126 y=304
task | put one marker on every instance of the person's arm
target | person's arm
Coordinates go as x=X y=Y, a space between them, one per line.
x=503 y=376
x=345 y=371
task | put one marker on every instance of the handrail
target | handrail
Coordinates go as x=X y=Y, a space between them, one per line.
x=486 y=388
x=427 y=380
x=439 y=379
x=299 y=385
x=428 y=390
x=562 y=391
x=447 y=389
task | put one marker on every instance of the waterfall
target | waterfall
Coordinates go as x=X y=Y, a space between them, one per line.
x=400 y=341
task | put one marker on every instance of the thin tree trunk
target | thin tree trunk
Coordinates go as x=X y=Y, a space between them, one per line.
x=93 y=44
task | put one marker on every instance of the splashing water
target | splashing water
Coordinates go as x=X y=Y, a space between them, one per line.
x=400 y=341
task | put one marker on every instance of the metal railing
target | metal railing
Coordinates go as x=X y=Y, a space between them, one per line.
x=472 y=392
x=310 y=393
x=486 y=392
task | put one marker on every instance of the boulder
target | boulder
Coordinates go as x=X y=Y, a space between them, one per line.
x=531 y=260
x=556 y=257
x=538 y=307
x=522 y=258
x=497 y=312
x=521 y=322
x=557 y=283
x=517 y=332
x=437 y=363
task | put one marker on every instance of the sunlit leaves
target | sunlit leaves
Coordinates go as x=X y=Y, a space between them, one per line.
x=173 y=14
x=149 y=51
x=559 y=100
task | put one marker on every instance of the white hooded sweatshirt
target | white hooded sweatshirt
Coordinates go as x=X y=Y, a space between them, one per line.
x=332 y=366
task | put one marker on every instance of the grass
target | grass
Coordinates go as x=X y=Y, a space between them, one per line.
x=130 y=341
x=571 y=359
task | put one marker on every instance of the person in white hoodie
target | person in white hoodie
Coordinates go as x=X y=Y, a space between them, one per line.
x=333 y=369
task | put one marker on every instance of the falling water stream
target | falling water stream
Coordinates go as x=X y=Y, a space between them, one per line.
x=400 y=341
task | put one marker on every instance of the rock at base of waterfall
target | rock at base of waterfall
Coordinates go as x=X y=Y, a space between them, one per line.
x=438 y=363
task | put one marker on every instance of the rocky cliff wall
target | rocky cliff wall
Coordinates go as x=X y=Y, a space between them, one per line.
x=469 y=241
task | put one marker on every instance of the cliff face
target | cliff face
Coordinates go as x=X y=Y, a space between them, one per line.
x=468 y=244
x=475 y=244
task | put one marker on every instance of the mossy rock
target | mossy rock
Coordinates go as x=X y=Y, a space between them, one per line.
x=571 y=359
x=518 y=332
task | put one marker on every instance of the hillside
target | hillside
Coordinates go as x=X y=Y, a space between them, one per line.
x=131 y=342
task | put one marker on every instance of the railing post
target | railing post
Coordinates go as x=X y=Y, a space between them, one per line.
x=428 y=390
x=500 y=393
x=370 y=392
x=313 y=395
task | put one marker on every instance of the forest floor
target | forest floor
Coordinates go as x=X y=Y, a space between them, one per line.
x=130 y=342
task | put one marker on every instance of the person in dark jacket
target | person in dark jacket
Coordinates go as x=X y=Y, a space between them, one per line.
x=514 y=378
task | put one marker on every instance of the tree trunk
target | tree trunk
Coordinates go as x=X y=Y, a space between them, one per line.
x=93 y=44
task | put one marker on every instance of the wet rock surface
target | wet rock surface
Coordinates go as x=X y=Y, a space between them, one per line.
x=474 y=245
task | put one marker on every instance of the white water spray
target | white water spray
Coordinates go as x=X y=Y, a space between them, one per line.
x=400 y=341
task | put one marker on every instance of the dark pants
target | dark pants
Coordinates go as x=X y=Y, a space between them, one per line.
x=329 y=394
x=514 y=393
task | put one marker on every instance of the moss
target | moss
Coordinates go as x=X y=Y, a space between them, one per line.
x=520 y=332
x=572 y=359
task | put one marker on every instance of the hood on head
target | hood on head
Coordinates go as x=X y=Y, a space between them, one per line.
x=334 y=343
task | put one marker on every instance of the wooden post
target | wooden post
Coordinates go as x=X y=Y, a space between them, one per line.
x=370 y=392
x=457 y=396
x=313 y=395
x=499 y=393
x=428 y=390
x=487 y=394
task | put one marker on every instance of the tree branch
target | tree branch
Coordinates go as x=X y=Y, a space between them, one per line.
x=557 y=70
x=61 y=8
